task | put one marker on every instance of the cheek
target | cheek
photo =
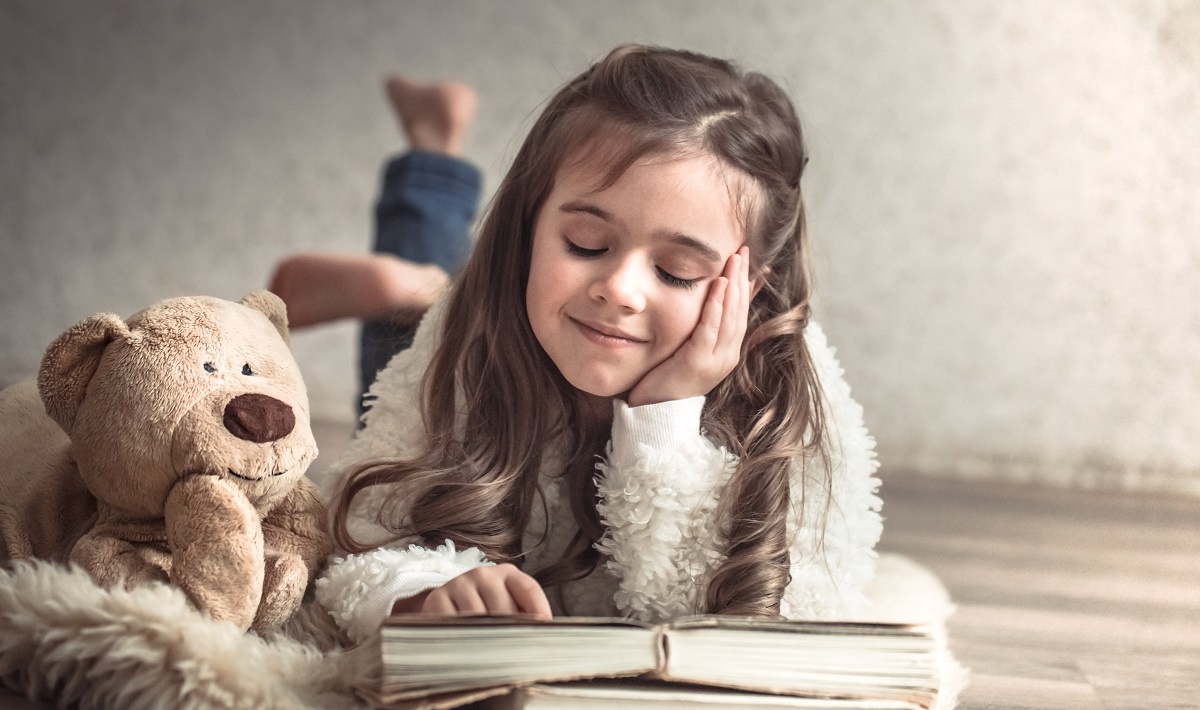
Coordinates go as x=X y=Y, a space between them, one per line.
x=540 y=288
x=543 y=293
x=680 y=314
x=554 y=278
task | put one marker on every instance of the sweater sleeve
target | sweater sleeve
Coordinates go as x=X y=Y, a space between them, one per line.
x=359 y=590
x=658 y=491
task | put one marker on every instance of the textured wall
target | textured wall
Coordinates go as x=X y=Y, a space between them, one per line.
x=1003 y=195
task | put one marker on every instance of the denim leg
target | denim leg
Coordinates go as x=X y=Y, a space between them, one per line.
x=424 y=213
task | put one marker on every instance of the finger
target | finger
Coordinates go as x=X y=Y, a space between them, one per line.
x=708 y=330
x=733 y=300
x=745 y=296
x=466 y=599
x=528 y=595
x=497 y=599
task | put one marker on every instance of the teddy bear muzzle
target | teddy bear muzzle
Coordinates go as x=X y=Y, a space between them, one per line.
x=259 y=418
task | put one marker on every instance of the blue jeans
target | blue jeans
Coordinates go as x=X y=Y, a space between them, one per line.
x=424 y=213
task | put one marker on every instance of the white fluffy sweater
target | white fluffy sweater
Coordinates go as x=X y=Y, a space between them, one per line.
x=658 y=490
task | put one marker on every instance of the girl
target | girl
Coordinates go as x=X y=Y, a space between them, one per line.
x=621 y=400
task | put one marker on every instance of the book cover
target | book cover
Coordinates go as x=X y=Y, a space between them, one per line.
x=606 y=694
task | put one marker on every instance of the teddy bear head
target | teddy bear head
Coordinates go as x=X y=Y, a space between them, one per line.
x=188 y=386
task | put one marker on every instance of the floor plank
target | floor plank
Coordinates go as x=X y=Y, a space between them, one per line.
x=1067 y=599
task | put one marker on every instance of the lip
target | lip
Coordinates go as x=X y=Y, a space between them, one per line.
x=604 y=334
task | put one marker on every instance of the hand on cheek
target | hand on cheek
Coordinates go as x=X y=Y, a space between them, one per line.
x=496 y=590
x=715 y=346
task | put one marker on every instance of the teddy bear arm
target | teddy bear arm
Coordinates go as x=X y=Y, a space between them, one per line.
x=113 y=561
x=216 y=541
x=297 y=547
x=285 y=580
x=297 y=526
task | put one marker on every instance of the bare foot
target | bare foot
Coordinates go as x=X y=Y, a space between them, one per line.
x=321 y=287
x=435 y=117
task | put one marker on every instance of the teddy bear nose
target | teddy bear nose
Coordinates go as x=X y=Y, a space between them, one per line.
x=258 y=418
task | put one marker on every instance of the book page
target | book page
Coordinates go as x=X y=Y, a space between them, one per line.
x=822 y=660
x=428 y=657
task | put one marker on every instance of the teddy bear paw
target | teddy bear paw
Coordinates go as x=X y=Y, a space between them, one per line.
x=284 y=583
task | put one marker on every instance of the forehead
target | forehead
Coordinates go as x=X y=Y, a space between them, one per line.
x=606 y=156
x=691 y=192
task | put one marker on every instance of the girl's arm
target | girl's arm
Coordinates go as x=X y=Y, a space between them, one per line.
x=658 y=489
x=660 y=483
x=360 y=590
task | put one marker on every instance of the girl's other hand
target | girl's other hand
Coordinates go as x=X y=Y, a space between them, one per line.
x=497 y=590
x=714 y=348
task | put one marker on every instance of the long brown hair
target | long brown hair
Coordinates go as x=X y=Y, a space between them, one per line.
x=492 y=400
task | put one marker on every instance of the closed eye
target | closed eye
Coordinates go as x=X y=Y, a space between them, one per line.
x=577 y=250
x=673 y=280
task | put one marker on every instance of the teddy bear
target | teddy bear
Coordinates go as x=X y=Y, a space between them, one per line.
x=170 y=447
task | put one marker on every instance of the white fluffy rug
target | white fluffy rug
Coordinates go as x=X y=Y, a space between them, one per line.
x=64 y=639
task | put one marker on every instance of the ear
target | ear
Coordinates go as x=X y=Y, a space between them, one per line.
x=71 y=361
x=272 y=306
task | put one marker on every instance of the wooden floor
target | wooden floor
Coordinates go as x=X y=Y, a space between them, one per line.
x=1066 y=599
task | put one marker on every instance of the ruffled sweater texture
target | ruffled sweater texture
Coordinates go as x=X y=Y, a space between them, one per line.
x=658 y=490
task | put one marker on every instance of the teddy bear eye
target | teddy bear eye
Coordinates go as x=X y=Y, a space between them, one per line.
x=246 y=369
x=209 y=367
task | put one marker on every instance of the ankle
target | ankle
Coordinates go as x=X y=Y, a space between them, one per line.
x=433 y=117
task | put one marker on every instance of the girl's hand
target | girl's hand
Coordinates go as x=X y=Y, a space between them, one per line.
x=715 y=346
x=499 y=590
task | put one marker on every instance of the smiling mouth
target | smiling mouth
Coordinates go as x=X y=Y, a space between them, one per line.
x=248 y=478
x=605 y=337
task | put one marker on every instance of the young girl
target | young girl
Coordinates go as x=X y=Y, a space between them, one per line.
x=621 y=406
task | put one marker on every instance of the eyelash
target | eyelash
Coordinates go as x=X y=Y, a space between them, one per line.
x=675 y=281
x=666 y=277
x=581 y=252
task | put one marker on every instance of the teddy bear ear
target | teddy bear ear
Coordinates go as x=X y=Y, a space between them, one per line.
x=272 y=306
x=70 y=362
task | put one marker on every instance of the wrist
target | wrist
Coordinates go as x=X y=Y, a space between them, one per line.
x=410 y=605
x=641 y=397
x=636 y=400
x=662 y=426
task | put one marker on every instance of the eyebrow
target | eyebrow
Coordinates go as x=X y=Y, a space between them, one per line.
x=678 y=238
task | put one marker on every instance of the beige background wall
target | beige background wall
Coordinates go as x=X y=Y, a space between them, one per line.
x=1004 y=195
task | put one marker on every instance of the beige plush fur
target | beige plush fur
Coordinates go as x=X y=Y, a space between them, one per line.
x=170 y=447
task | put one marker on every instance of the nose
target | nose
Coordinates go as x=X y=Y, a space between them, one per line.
x=621 y=286
x=259 y=418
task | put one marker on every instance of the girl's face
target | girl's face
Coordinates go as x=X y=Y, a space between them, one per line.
x=618 y=276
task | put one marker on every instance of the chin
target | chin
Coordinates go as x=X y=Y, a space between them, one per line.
x=598 y=386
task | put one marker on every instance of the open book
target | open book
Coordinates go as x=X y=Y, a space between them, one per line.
x=435 y=663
